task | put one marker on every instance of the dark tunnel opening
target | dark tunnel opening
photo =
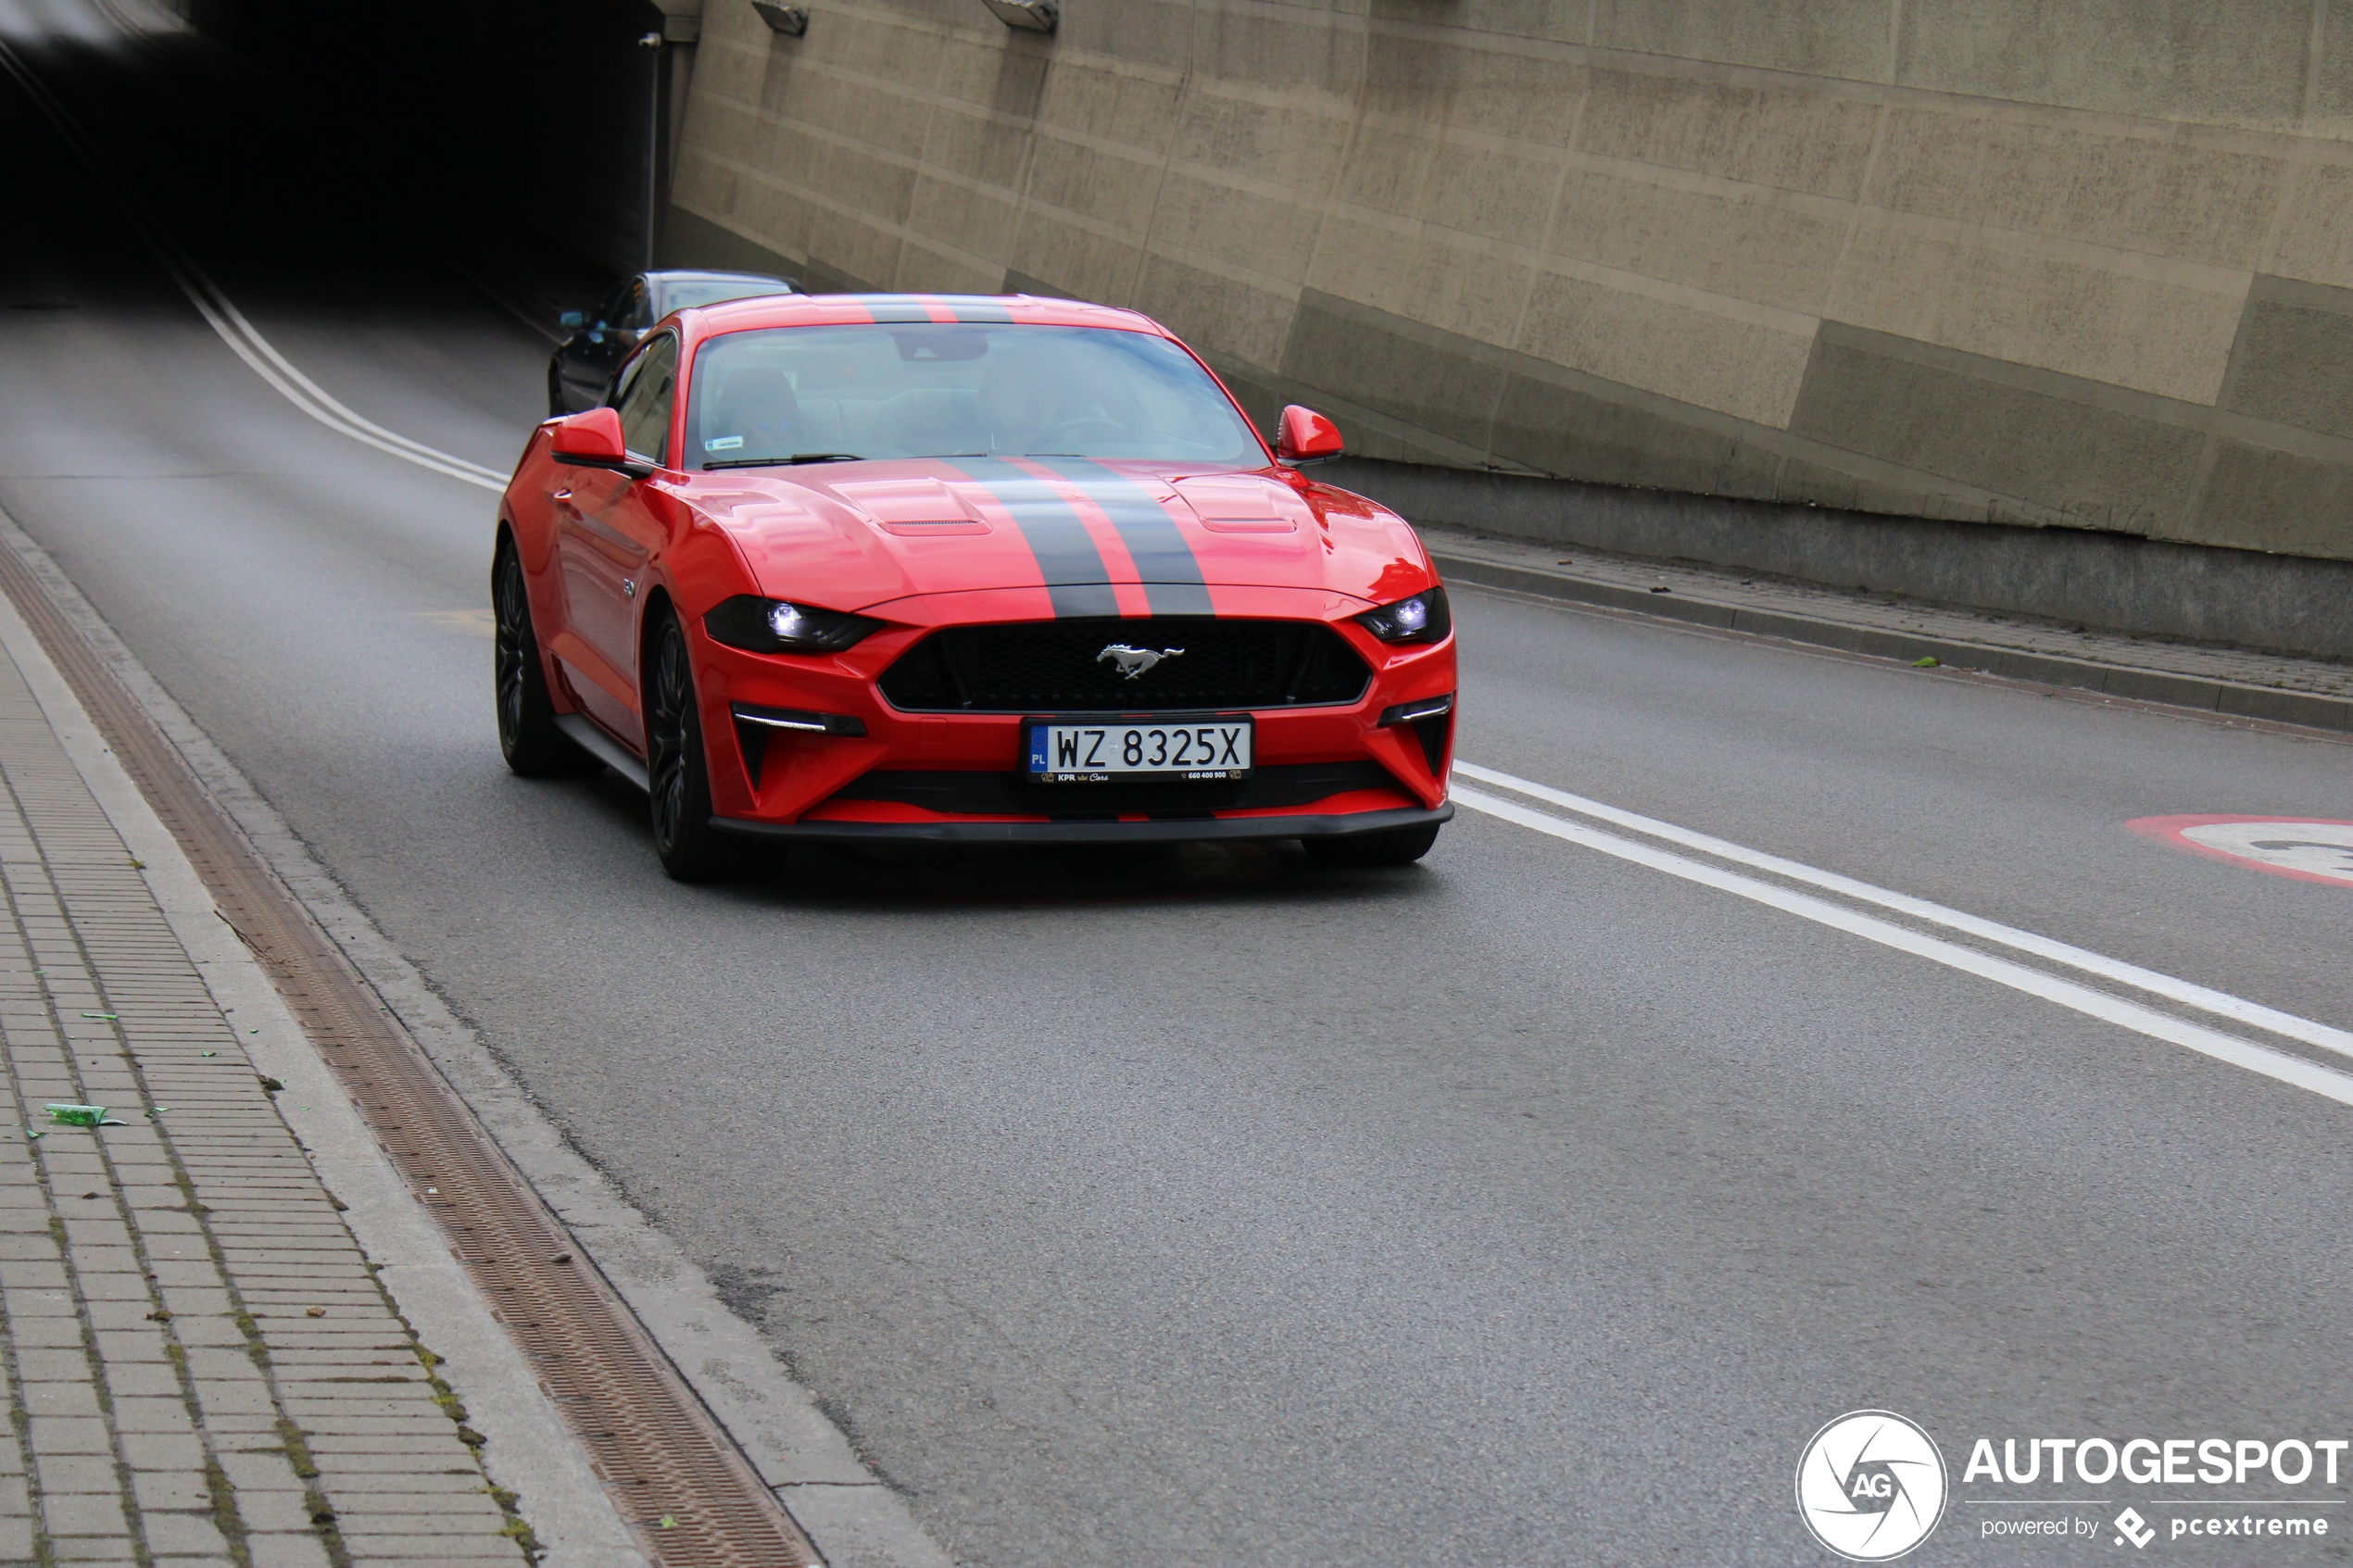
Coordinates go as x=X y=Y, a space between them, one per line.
x=546 y=124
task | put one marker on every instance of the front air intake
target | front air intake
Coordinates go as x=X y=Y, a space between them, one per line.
x=1082 y=665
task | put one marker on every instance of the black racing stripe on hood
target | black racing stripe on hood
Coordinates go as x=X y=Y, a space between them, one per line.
x=892 y=309
x=1076 y=581
x=1172 y=576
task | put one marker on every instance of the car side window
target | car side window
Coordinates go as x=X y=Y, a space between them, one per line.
x=640 y=313
x=613 y=309
x=617 y=385
x=648 y=389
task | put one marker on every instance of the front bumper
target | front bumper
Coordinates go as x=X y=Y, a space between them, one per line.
x=806 y=747
x=1157 y=830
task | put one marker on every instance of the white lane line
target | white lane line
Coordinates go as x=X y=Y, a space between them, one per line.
x=243 y=338
x=2220 y=1003
x=143 y=34
x=2068 y=994
x=327 y=410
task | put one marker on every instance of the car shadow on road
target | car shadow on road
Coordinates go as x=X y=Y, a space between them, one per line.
x=946 y=876
x=1256 y=873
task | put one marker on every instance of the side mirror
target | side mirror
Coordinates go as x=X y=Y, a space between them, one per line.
x=1306 y=436
x=573 y=320
x=589 y=439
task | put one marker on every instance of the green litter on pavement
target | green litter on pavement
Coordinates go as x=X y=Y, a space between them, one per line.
x=109 y=1017
x=66 y=1115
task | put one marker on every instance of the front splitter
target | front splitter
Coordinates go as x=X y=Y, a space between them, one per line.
x=1163 y=830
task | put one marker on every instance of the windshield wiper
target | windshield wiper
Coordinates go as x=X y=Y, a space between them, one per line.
x=784 y=462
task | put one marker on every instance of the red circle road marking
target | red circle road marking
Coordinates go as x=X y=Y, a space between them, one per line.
x=2307 y=848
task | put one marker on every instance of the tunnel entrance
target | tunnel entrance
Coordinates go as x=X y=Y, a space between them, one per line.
x=549 y=122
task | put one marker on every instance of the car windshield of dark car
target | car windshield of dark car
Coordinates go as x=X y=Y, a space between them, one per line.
x=945 y=390
x=689 y=293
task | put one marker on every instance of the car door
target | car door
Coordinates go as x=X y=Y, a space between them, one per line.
x=607 y=536
x=613 y=329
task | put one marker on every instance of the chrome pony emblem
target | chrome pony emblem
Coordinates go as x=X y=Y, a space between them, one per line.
x=1132 y=662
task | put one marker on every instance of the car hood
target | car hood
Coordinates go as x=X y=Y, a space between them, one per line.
x=857 y=536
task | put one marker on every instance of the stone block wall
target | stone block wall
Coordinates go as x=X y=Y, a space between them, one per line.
x=2085 y=263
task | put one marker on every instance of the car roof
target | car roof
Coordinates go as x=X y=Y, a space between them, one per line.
x=704 y=275
x=862 y=309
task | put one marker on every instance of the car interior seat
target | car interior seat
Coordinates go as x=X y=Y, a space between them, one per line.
x=756 y=405
x=930 y=421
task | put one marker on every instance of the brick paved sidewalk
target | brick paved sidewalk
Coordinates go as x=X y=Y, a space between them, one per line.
x=200 y=1364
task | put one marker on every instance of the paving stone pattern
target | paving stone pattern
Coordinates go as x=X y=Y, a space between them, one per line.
x=199 y=1364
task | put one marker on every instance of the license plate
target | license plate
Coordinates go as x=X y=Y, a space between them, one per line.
x=1173 y=750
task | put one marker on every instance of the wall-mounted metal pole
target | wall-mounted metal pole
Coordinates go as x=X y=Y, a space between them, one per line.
x=651 y=44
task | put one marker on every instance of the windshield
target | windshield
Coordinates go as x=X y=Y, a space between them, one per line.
x=688 y=294
x=943 y=390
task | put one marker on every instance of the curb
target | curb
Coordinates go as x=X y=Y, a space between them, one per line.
x=800 y=1456
x=2136 y=685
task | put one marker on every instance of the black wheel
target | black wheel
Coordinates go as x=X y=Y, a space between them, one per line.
x=527 y=733
x=1393 y=846
x=679 y=770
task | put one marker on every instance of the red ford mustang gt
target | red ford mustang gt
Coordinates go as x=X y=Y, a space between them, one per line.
x=870 y=567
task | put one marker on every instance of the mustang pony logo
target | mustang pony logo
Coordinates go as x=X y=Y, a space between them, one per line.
x=1132 y=662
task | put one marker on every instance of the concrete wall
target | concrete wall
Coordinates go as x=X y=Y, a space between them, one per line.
x=2071 y=576
x=2076 y=262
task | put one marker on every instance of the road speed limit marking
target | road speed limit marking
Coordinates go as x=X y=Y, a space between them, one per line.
x=2307 y=848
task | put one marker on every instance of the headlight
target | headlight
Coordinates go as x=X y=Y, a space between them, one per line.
x=779 y=626
x=1422 y=619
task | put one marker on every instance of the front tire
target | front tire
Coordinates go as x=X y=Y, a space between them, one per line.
x=677 y=768
x=527 y=735
x=1390 y=847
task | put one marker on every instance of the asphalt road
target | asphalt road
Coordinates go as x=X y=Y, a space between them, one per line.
x=1199 y=1208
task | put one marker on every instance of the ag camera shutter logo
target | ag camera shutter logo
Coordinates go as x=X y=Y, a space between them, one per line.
x=1870 y=1485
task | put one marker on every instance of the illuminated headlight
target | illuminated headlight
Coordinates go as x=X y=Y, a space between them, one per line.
x=1422 y=619
x=761 y=625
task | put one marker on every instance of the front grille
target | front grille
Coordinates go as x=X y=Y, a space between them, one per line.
x=1014 y=795
x=1058 y=666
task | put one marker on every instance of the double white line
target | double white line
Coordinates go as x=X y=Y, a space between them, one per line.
x=223 y=316
x=2103 y=1005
